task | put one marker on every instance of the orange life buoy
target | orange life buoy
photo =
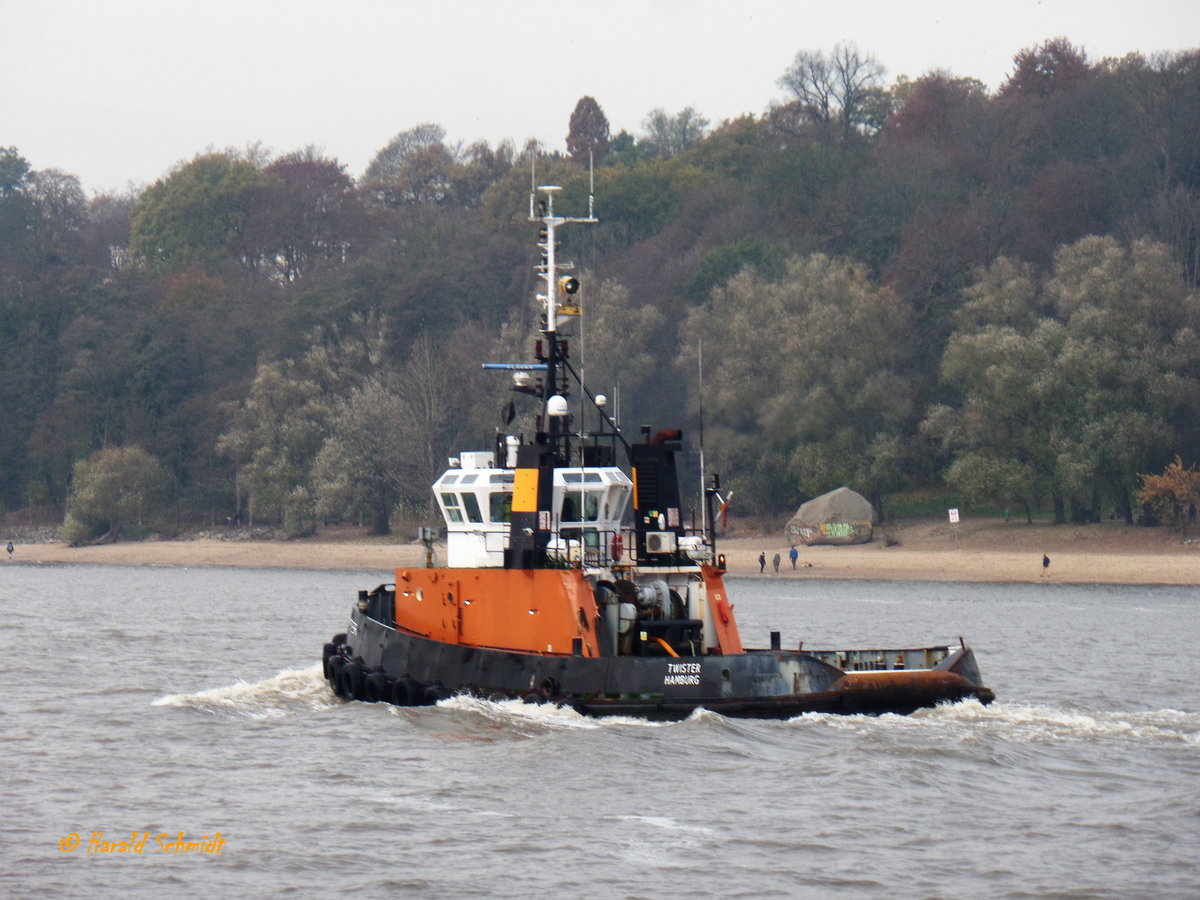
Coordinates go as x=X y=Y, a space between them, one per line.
x=618 y=548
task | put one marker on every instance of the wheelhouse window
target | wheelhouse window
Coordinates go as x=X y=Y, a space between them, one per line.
x=471 y=504
x=581 y=506
x=500 y=506
x=450 y=504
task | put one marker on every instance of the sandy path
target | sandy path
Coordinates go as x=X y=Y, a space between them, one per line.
x=984 y=551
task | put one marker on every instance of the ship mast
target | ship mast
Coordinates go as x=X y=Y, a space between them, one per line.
x=555 y=386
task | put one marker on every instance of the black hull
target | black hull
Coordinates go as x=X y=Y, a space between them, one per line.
x=376 y=662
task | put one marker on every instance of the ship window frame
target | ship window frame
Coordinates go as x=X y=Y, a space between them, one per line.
x=471 y=506
x=582 y=506
x=500 y=506
x=450 y=504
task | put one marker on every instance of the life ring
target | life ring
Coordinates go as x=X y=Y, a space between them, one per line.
x=618 y=548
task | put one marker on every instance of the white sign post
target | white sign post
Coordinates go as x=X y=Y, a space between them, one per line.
x=954 y=522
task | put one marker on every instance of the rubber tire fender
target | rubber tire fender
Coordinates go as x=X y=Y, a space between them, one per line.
x=353 y=679
x=329 y=651
x=377 y=688
x=334 y=672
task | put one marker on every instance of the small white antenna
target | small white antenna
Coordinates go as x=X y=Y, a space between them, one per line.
x=591 y=184
x=532 y=183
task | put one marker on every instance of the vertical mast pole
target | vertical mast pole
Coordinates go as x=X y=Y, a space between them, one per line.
x=705 y=524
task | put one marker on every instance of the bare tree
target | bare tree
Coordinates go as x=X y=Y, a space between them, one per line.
x=670 y=135
x=835 y=89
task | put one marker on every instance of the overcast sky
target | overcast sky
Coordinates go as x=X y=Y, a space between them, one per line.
x=120 y=91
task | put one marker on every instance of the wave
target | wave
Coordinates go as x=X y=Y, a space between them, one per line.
x=304 y=690
x=290 y=691
x=1023 y=724
x=1046 y=724
x=546 y=715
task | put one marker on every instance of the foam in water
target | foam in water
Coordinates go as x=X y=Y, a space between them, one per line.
x=1023 y=723
x=292 y=690
x=545 y=714
x=300 y=690
x=1019 y=722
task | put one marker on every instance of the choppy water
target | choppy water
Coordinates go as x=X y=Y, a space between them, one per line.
x=161 y=700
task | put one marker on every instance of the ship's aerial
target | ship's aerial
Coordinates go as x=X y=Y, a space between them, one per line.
x=573 y=574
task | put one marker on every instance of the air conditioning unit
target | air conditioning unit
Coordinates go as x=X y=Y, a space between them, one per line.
x=660 y=542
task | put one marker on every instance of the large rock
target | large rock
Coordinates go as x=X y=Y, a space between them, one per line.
x=842 y=516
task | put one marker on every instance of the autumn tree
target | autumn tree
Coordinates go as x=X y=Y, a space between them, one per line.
x=1052 y=66
x=307 y=218
x=1173 y=495
x=587 y=134
x=114 y=490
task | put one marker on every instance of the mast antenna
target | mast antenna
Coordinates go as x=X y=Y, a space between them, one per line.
x=591 y=184
x=532 y=183
x=703 y=477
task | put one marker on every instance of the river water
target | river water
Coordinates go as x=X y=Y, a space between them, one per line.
x=142 y=703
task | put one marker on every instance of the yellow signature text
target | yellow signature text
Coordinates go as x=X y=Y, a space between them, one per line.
x=142 y=842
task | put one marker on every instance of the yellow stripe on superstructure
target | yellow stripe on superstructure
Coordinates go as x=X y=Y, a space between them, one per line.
x=525 y=490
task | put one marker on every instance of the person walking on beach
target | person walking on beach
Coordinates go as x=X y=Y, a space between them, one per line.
x=775 y=563
x=793 y=554
x=762 y=562
x=10 y=549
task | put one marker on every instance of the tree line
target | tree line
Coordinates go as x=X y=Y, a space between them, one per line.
x=897 y=285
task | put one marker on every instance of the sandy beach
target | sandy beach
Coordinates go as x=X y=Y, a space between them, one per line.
x=986 y=550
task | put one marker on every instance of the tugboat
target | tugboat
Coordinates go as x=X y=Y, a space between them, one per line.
x=552 y=593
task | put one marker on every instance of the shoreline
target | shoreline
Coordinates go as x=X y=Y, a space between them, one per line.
x=983 y=552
